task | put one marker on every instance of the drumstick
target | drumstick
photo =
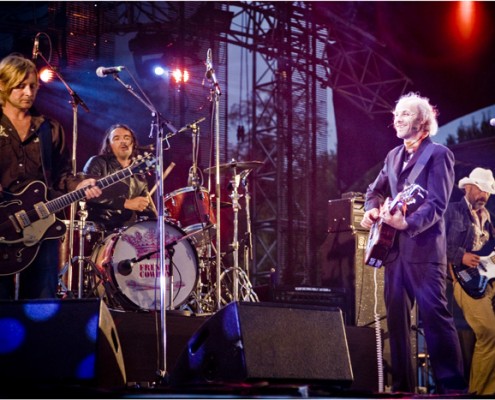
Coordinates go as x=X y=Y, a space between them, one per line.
x=165 y=174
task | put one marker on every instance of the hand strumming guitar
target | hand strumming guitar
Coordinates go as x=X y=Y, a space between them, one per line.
x=471 y=260
x=370 y=217
x=396 y=220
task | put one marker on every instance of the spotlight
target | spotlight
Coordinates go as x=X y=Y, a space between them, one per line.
x=46 y=75
x=159 y=70
x=180 y=76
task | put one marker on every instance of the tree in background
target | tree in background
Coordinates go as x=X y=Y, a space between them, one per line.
x=472 y=132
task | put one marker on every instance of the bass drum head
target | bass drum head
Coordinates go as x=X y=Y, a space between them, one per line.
x=142 y=284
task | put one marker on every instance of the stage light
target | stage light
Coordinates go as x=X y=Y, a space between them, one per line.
x=159 y=70
x=46 y=75
x=466 y=19
x=468 y=28
x=180 y=76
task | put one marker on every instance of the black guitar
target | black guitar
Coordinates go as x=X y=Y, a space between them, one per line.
x=26 y=218
x=475 y=280
x=382 y=235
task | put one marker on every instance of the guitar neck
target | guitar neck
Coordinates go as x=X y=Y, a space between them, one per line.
x=62 y=202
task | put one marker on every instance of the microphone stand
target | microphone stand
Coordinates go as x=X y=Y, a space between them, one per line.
x=75 y=102
x=157 y=122
x=215 y=96
x=157 y=125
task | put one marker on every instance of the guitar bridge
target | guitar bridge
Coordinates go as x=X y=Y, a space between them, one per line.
x=22 y=218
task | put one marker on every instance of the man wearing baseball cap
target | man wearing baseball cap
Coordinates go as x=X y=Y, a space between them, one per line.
x=469 y=230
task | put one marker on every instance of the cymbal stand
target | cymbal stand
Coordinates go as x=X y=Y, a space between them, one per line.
x=235 y=242
x=194 y=180
x=248 y=248
x=242 y=289
x=83 y=215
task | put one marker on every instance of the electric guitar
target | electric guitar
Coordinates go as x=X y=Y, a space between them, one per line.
x=26 y=218
x=475 y=280
x=382 y=235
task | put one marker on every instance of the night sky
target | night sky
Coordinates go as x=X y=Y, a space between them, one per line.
x=447 y=60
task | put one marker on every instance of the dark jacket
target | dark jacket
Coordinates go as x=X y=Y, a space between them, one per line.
x=460 y=231
x=20 y=162
x=108 y=209
x=424 y=240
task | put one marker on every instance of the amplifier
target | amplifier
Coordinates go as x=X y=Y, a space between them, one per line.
x=312 y=296
x=345 y=214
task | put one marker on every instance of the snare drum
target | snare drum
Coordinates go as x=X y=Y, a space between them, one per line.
x=139 y=287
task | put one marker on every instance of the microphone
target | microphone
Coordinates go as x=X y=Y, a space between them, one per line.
x=492 y=122
x=36 y=46
x=104 y=71
x=125 y=267
x=210 y=72
x=209 y=64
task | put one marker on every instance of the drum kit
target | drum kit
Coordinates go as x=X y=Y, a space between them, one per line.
x=122 y=267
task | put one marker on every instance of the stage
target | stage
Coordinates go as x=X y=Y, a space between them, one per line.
x=82 y=349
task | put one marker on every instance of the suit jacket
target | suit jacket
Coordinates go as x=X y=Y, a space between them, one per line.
x=424 y=240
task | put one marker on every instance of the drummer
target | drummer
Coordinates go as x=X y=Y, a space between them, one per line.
x=128 y=200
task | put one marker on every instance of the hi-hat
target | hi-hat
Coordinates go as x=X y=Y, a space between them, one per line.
x=237 y=165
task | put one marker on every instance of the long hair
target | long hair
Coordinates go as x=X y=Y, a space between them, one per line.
x=106 y=148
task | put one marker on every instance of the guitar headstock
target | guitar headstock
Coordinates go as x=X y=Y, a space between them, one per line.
x=143 y=163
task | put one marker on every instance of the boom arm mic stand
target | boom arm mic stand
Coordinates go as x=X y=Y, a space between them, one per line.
x=158 y=122
x=75 y=102
x=215 y=96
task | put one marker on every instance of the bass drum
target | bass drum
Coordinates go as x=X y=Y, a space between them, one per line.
x=137 y=286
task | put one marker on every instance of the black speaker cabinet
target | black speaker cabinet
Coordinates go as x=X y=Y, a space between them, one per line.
x=342 y=265
x=267 y=342
x=59 y=342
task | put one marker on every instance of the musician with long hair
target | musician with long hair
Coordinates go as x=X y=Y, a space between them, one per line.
x=416 y=266
x=469 y=232
x=32 y=148
x=129 y=200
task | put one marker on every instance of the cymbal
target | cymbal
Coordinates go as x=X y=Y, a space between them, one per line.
x=237 y=165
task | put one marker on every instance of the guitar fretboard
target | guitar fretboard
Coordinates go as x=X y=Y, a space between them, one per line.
x=63 y=201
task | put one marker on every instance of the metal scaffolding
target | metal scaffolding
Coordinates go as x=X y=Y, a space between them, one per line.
x=299 y=51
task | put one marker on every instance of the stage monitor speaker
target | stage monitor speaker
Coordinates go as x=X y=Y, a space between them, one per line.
x=245 y=342
x=141 y=341
x=59 y=342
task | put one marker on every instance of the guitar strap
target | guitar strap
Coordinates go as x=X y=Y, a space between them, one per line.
x=45 y=135
x=420 y=164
